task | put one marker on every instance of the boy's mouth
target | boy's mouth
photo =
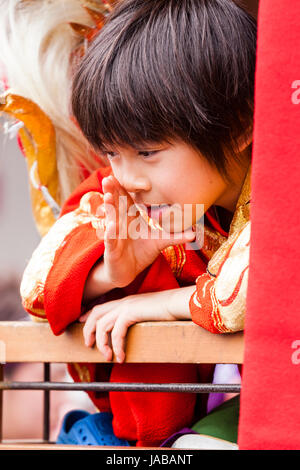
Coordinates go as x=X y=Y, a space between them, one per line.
x=155 y=211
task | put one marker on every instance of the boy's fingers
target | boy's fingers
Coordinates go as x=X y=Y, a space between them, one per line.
x=110 y=231
x=187 y=236
x=123 y=200
x=89 y=338
x=121 y=205
x=89 y=335
x=116 y=211
x=89 y=329
x=107 y=185
x=168 y=239
x=110 y=238
x=100 y=212
x=118 y=337
x=113 y=187
x=84 y=317
x=114 y=196
x=109 y=208
x=110 y=221
x=103 y=339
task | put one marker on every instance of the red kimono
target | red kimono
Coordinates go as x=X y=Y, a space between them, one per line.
x=52 y=288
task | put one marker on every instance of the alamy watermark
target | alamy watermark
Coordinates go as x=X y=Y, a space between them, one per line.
x=295 y=357
x=155 y=222
x=295 y=97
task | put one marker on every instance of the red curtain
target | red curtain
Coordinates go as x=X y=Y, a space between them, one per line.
x=270 y=399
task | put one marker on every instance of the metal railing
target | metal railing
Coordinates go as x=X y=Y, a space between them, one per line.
x=10 y=330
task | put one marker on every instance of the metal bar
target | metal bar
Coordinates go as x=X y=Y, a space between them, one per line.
x=46 y=411
x=116 y=387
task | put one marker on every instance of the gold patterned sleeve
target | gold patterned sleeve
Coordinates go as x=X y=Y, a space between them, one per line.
x=219 y=301
x=63 y=259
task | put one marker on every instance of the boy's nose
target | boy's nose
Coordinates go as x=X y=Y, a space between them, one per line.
x=135 y=184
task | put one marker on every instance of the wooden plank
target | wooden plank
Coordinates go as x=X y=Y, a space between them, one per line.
x=33 y=446
x=37 y=444
x=169 y=342
x=45 y=446
x=41 y=446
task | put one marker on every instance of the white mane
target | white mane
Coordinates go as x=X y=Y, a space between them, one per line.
x=36 y=45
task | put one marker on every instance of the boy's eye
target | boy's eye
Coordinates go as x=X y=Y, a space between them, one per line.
x=147 y=154
x=111 y=155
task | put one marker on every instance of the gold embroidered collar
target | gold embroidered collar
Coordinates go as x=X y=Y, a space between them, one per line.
x=242 y=211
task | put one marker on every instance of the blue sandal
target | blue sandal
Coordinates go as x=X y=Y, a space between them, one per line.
x=82 y=428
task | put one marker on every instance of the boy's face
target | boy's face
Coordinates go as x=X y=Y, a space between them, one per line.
x=172 y=182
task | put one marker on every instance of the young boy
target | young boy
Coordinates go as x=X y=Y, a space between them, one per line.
x=166 y=92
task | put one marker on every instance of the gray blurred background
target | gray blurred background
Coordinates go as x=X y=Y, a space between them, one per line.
x=18 y=235
x=18 y=239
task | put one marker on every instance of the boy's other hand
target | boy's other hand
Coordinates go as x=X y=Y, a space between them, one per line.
x=107 y=324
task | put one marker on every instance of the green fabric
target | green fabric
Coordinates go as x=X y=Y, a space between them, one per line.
x=222 y=422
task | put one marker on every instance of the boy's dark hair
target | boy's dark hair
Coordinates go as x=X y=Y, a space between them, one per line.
x=165 y=69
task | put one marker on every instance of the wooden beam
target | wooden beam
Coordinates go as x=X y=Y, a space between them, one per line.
x=41 y=446
x=165 y=342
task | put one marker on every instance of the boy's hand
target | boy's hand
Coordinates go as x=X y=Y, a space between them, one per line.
x=107 y=324
x=125 y=257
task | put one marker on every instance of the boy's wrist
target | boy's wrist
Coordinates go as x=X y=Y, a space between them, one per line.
x=97 y=283
x=178 y=302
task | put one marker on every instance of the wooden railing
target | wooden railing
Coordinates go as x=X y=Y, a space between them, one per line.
x=149 y=342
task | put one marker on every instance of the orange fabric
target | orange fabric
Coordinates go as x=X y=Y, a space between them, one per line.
x=65 y=281
x=219 y=302
x=203 y=315
x=92 y=183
